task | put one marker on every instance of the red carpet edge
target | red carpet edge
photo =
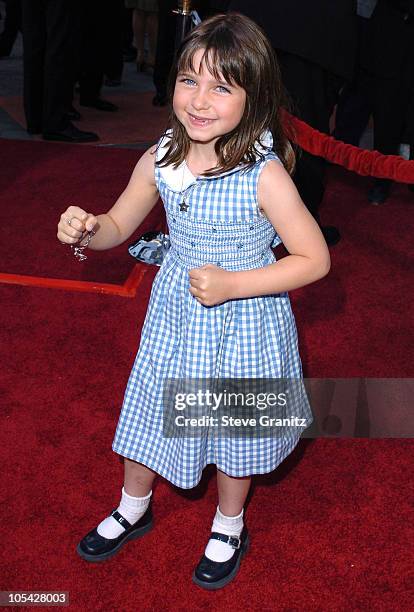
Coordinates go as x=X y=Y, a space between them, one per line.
x=128 y=289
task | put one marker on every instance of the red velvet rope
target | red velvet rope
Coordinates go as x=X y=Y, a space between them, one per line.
x=361 y=161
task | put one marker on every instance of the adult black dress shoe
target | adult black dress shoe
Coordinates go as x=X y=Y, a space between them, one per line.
x=99 y=104
x=94 y=547
x=331 y=234
x=71 y=134
x=212 y=575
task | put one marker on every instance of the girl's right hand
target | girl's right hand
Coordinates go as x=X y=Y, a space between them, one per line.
x=74 y=222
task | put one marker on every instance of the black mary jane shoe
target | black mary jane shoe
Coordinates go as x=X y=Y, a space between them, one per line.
x=94 y=547
x=212 y=575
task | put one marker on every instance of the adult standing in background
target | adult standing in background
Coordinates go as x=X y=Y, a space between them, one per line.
x=355 y=106
x=388 y=61
x=49 y=62
x=316 y=47
x=99 y=25
x=144 y=24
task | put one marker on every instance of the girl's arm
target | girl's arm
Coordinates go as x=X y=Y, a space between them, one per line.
x=128 y=212
x=309 y=258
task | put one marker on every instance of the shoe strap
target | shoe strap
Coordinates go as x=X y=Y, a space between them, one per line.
x=234 y=541
x=121 y=520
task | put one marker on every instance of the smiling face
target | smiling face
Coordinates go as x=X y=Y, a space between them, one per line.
x=207 y=107
x=222 y=107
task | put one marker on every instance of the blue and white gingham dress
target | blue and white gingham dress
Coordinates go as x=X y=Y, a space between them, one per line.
x=181 y=338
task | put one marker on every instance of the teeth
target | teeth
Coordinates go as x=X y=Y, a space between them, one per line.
x=199 y=120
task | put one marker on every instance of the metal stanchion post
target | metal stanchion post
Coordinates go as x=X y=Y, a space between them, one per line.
x=185 y=21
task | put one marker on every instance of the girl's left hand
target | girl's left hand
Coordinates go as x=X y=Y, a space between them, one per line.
x=209 y=284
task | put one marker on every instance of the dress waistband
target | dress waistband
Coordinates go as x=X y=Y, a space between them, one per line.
x=228 y=261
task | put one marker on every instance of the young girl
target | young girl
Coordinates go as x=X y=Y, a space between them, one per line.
x=219 y=305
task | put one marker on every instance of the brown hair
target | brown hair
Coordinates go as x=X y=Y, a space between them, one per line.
x=236 y=47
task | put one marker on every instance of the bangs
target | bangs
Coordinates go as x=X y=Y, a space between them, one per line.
x=221 y=58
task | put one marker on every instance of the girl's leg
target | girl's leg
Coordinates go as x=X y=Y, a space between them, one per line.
x=135 y=499
x=138 y=479
x=232 y=493
x=105 y=541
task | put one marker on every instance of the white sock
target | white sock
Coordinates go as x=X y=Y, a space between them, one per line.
x=229 y=525
x=131 y=508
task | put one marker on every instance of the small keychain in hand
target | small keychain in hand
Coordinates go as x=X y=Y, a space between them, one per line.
x=78 y=249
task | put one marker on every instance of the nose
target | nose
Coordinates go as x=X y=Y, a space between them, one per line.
x=200 y=99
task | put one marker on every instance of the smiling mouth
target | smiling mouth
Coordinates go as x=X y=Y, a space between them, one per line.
x=200 y=121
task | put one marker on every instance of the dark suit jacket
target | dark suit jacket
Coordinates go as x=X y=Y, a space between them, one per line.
x=388 y=47
x=321 y=31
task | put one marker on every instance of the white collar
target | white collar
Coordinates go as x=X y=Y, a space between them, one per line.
x=180 y=178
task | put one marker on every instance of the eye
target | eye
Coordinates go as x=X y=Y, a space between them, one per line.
x=223 y=89
x=187 y=81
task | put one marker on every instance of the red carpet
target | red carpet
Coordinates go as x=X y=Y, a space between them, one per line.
x=135 y=109
x=38 y=182
x=357 y=321
x=330 y=528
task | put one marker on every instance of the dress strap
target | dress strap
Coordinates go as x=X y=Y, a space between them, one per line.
x=253 y=175
x=160 y=151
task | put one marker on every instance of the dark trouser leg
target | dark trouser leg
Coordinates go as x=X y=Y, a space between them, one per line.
x=12 y=25
x=113 y=33
x=92 y=50
x=389 y=115
x=352 y=114
x=59 y=63
x=355 y=102
x=164 y=55
x=313 y=94
x=127 y=32
x=34 y=49
x=152 y=32
x=390 y=112
x=309 y=180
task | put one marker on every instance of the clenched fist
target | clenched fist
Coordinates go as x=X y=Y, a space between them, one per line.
x=73 y=224
x=210 y=285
